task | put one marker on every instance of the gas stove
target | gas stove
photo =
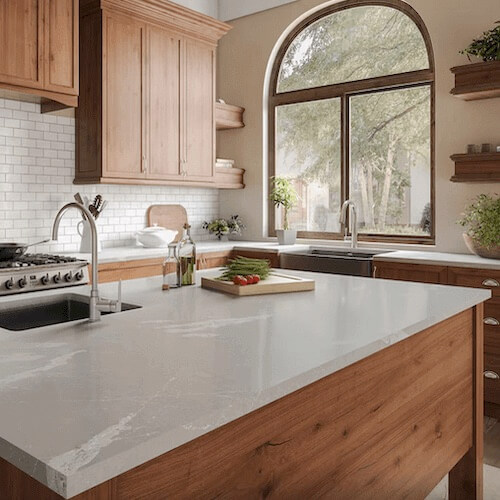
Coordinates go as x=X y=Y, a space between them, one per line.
x=34 y=272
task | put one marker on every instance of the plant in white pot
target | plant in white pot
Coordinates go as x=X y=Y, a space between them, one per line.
x=283 y=195
x=482 y=222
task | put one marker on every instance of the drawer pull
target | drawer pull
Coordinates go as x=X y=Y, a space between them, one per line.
x=491 y=283
x=491 y=322
x=491 y=375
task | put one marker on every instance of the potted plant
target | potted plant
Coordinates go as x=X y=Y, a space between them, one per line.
x=222 y=228
x=487 y=47
x=482 y=222
x=283 y=195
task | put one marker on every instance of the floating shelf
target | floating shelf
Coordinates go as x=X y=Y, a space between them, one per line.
x=477 y=81
x=228 y=116
x=480 y=167
x=229 y=178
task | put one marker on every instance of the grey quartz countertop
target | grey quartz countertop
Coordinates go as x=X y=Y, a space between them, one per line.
x=83 y=403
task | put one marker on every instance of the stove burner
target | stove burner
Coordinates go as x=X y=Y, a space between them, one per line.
x=39 y=259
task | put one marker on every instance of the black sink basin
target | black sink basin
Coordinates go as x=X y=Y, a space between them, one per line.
x=27 y=314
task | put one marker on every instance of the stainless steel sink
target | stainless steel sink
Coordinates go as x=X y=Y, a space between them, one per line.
x=44 y=311
x=352 y=262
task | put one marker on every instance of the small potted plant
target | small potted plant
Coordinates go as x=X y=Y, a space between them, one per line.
x=283 y=195
x=482 y=222
x=487 y=47
x=222 y=228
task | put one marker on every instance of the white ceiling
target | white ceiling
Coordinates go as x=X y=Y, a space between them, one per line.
x=231 y=9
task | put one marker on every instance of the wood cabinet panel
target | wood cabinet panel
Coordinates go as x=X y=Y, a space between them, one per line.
x=123 y=98
x=21 y=33
x=492 y=385
x=212 y=260
x=476 y=278
x=61 y=46
x=411 y=272
x=163 y=70
x=199 y=106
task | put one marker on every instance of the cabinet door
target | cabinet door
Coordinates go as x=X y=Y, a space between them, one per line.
x=21 y=29
x=163 y=104
x=61 y=46
x=198 y=125
x=123 y=107
x=420 y=273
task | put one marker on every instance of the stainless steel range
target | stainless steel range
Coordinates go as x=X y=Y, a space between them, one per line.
x=34 y=272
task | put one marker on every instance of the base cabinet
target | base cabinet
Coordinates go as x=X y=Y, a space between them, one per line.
x=466 y=277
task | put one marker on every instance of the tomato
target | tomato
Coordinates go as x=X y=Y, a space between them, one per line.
x=250 y=279
x=256 y=278
x=240 y=280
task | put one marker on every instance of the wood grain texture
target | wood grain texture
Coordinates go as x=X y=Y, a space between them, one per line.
x=477 y=81
x=411 y=272
x=475 y=278
x=481 y=167
x=172 y=217
x=228 y=116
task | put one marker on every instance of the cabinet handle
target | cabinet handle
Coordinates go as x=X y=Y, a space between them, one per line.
x=491 y=375
x=491 y=283
x=491 y=322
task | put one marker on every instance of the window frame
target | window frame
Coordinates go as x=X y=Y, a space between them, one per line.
x=345 y=91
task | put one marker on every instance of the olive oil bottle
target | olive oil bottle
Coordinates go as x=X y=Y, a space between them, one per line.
x=187 y=258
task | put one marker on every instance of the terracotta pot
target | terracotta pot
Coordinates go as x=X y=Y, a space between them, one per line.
x=487 y=253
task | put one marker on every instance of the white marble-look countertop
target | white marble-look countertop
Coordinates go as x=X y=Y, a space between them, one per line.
x=83 y=403
x=436 y=258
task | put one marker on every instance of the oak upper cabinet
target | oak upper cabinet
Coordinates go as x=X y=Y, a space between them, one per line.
x=148 y=116
x=39 y=49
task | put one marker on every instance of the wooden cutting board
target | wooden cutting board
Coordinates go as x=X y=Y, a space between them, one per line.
x=276 y=283
x=168 y=216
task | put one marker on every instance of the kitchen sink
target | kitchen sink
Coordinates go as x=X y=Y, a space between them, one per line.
x=348 y=261
x=44 y=311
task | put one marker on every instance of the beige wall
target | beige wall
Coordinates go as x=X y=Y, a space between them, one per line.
x=243 y=59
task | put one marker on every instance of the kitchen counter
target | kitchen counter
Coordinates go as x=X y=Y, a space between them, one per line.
x=435 y=258
x=84 y=403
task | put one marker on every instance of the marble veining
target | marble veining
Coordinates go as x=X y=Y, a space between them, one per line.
x=86 y=402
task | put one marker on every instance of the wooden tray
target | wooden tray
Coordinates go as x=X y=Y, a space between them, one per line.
x=276 y=283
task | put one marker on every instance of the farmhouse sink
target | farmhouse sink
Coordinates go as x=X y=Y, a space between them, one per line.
x=348 y=261
x=44 y=311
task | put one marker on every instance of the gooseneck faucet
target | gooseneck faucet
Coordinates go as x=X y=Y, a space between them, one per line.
x=353 y=219
x=96 y=303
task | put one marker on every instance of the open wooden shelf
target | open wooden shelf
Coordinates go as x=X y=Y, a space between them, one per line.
x=229 y=178
x=477 y=81
x=480 y=167
x=228 y=116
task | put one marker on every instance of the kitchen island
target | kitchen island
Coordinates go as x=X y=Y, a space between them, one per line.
x=359 y=388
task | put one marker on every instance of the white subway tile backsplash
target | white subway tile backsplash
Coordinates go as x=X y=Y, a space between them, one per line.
x=37 y=163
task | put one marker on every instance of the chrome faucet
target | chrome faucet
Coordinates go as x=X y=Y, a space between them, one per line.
x=97 y=305
x=353 y=219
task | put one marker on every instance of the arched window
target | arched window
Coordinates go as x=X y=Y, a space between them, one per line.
x=351 y=116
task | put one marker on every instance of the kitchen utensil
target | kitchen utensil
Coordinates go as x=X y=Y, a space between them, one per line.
x=276 y=283
x=79 y=199
x=101 y=209
x=156 y=237
x=172 y=216
x=11 y=251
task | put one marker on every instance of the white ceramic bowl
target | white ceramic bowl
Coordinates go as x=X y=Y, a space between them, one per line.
x=156 y=237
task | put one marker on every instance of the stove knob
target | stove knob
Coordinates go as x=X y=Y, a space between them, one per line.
x=68 y=277
x=57 y=278
x=45 y=280
x=79 y=276
x=23 y=282
x=9 y=284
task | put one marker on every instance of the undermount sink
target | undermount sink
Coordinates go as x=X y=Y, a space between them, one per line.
x=44 y=311
x=348 y=261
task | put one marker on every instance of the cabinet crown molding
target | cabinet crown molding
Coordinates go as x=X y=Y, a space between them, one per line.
x=164 y=13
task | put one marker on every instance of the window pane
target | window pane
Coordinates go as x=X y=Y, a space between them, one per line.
x=308 y=152
x=391 y=161
x=353 y=44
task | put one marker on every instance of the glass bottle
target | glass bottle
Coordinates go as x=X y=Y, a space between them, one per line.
x=187 y=258
x=170 y=269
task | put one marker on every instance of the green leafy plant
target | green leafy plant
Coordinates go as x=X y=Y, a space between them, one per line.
x=487 y=47
x=222 y=227
x=283 y=195
x=482 y=220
